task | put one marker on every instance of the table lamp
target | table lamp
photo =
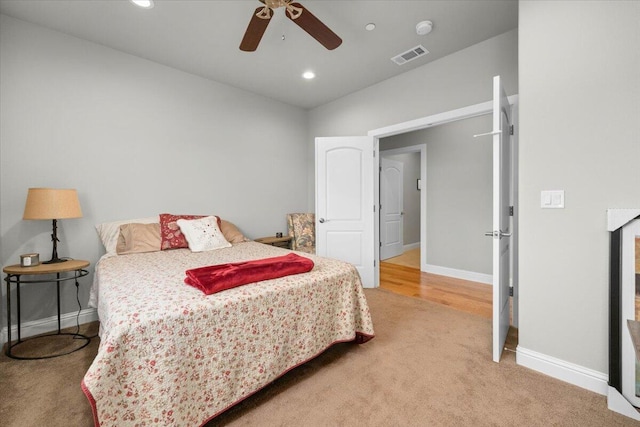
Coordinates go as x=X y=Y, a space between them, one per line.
x=53 y=204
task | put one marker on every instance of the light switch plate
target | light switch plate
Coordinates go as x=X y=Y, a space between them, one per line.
x=552 y=199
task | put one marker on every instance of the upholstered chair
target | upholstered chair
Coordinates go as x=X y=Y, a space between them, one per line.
x=302 y=229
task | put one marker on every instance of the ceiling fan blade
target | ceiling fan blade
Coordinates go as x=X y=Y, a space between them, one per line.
x=256 y=28
x=312 y=25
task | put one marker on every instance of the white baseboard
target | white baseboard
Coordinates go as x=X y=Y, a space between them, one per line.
x=460 y=274
x=577 y=375
x=411 y=246
x=568 y=372
x=49 y=324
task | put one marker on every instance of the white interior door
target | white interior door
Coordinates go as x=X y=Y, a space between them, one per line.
x=392 y=208
x=345 y=202
x=502 y=231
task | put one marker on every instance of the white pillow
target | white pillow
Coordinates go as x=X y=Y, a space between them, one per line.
x=203 y=234
x=109 y=231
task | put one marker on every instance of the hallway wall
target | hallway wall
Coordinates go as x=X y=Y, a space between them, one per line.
x=459 y=192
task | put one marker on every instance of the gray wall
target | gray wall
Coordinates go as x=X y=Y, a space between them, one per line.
x=135 y=138
x=458 y=80
x=455 y=81
x=579 y=132
x=459 y=192
x=410 y=196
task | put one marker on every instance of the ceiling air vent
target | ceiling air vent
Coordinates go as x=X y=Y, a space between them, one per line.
x=410 y=55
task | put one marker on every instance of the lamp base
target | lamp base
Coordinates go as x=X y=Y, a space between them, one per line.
x=54 y=238
x=54 y=261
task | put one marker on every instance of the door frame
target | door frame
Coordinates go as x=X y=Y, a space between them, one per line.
x=435 y=120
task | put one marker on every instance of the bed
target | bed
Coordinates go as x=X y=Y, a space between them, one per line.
x=171 y=355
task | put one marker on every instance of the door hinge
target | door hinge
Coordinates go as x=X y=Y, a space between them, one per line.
x=374 y=153
x=511 y=130
x=380 y=167
x=510 y=291
x=374 y=208
x=374 y=262
x=380 y=244
x=510 y=210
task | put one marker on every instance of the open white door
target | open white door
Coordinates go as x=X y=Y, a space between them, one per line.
x=345 y=202
x=391 y=209
x=501 y=215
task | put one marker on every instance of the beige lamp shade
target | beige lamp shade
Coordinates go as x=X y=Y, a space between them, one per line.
x=52 y=203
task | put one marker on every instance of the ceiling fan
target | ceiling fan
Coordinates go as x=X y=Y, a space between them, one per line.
x=294 y=11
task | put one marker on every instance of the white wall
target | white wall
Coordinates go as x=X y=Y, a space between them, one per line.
x=135 y=138
x=579 y=132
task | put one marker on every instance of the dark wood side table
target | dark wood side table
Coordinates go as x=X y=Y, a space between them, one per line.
x=63 y=271
x=281 y=242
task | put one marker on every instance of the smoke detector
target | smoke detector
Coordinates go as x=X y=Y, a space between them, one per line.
x=424 y=27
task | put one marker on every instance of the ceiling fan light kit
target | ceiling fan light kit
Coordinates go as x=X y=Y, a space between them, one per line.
x=296 y=13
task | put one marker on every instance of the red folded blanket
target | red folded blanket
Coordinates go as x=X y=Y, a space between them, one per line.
x=216 y=278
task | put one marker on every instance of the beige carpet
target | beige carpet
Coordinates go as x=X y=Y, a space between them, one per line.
x=428 y=365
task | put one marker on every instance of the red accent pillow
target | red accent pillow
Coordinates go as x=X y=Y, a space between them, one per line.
x=172 y=237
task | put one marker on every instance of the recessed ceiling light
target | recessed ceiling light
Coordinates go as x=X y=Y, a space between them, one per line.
x=309 y=75
x=370 y=26
x=147 y=4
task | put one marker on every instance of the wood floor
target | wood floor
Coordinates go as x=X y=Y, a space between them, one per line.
x=402 y=275
x=472 y=297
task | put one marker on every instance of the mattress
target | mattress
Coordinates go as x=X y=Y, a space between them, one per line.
x=171 y=355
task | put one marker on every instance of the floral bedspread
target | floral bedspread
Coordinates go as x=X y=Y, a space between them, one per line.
x=171 y=355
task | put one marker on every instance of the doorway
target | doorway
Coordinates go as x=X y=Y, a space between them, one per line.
x=365 y=159
x=457 y=195
x=400 y=202
x=447 y=117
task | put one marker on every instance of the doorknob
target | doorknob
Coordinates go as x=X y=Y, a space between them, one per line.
x=322 y=220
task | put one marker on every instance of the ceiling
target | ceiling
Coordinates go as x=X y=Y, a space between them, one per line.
x=202 y=37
